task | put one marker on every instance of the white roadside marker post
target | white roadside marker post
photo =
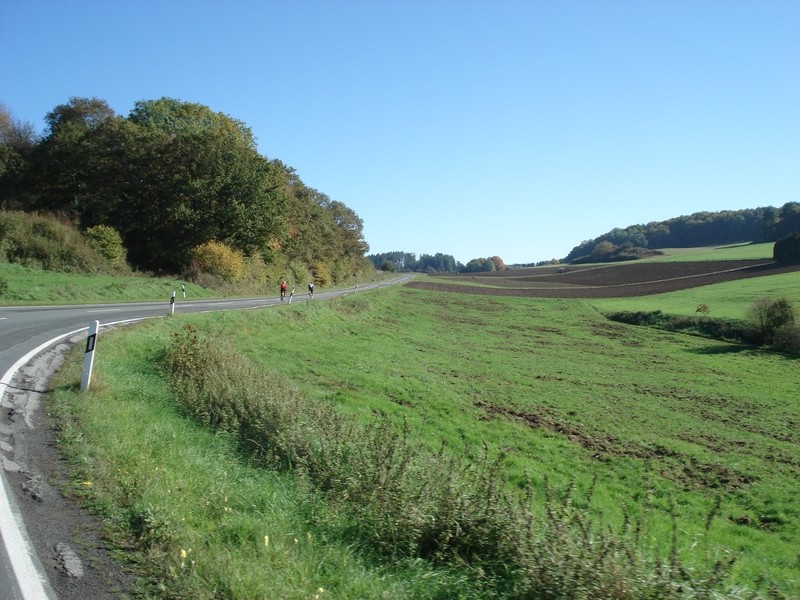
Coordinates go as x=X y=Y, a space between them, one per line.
x=88 y=357
x=291 y=295
x=172 y=303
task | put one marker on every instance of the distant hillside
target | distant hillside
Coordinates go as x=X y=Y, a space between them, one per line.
x=767 y=224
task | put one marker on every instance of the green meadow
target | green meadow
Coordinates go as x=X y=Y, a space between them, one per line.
x=730 y=300
x=732 y=252
x=695 y=440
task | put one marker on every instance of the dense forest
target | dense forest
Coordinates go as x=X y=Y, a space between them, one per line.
x=766 y=224
x=178 y=183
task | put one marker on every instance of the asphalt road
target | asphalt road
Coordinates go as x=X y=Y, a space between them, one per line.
x=26 y=332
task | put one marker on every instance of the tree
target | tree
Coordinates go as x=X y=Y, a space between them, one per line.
x=402 y=261
x=788 y=220
x=211 y=183
x=18 y=139
x=83 y=113
x=172 y=176
x=480 y=265
x=603 y=250
x=438 y=263
x=787 y=250
x=169 y=178
x=767 y=316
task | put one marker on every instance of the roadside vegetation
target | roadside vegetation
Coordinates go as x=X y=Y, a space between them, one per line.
x=44 y=260
x=406 y=443
x=181 y=189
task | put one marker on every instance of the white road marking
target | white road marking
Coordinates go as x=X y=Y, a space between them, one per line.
x=32 y=583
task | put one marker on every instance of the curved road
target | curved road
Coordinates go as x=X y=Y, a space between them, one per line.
x=26 y=332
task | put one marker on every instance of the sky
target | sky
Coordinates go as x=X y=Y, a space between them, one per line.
x=473 y=128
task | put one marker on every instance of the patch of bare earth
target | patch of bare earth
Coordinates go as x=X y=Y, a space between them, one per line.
x=686 y=471
x=603 y=281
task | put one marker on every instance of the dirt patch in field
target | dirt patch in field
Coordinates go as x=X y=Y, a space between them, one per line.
x=606 y=281
x=684 y=470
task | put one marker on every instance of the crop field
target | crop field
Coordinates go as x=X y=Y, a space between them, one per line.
x=696 y=440
x=607 y=280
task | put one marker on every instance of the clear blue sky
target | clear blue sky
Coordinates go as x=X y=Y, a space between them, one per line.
x=472 y=128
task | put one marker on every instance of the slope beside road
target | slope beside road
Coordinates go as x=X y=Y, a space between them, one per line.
x=51 y=548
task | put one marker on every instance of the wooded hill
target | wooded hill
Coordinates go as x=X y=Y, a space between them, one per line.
x=171 y=178
x=767 y=224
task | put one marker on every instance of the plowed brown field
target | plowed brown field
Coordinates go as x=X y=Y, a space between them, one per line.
x=603 y=281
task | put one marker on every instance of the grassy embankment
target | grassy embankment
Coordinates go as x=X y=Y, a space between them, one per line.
x=28 y=286
x=666 y=423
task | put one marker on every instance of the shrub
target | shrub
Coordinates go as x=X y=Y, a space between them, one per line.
x=321 y=274
x=767 y=316
x=220 y=260
x=787 y=338
x=43 y=242
x=107 y=242
x=255 y=272
x=299 y=272
x=3 y=286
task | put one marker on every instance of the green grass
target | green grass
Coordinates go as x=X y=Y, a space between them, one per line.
x=733 y=252
x=191 y=518
x=27 y=286
x=725 y=300
x=660 y=419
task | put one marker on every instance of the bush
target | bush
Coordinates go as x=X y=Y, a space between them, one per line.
x=216 y=258
x=787 y=338
x=107 y=242
x=322 y=276
x=729 y=330
x=767 y=316
x=43 y=242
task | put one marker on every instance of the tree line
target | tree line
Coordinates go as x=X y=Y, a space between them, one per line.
x=766 y=224
x=407 y=262
x=171 y=178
